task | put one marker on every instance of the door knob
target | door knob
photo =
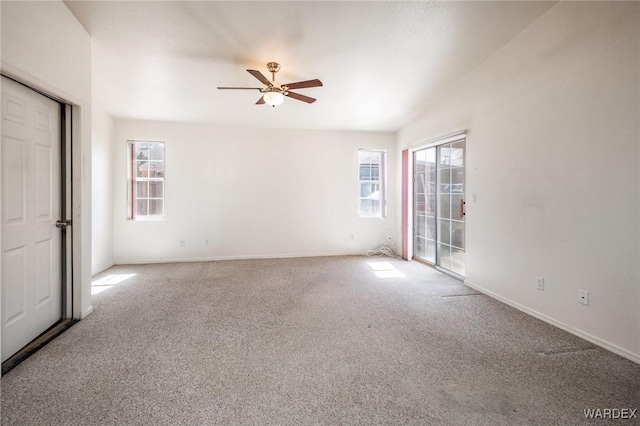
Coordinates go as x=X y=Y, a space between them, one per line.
x=63 y=224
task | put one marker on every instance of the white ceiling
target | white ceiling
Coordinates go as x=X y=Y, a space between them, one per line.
x=381 y=63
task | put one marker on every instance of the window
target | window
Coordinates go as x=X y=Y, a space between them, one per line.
x=372 y=183
x=146 y=180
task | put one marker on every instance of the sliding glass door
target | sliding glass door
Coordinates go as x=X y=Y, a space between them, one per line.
x=439 y=206
x=424 y=205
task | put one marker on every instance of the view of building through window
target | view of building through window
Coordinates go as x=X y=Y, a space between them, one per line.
x=146 y=192
x=372 y=174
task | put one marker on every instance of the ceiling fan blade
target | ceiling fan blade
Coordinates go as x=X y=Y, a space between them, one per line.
x=260 y=101
x=259 y=76
x=303 y=84
x=239 y=88
x=300 y=97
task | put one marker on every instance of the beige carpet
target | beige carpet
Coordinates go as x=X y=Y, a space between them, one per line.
x=310 y=341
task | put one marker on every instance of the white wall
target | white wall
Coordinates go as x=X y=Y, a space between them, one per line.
x=44 y=46
x=252 y=193
x=102 y=135
x=553 y=157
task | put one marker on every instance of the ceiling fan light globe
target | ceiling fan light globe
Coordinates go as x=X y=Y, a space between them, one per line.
x=273 y=98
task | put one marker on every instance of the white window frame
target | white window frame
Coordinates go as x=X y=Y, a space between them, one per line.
x=133 y=179
x=382 y=184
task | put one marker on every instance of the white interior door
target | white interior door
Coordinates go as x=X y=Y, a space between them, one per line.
x=31 y=204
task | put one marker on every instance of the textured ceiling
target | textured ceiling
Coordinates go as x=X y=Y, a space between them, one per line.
x=381 y=63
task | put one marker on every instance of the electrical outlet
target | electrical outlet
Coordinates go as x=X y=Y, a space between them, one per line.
x=183 y=243
x=583 y=297
x=539 y=283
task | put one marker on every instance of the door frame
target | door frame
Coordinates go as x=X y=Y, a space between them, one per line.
x=408 y=208
x=71 y=146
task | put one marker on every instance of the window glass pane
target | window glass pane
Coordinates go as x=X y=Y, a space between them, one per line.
x=366 y=189
x=444 y=256
x=431 y=205
x=155 y=189
x=142 y=168
x=431 y=170
x=141 y=190
x=431 y=182
x=456 y=210
x=431 y=157
x=141 y=207
x=156 y=151
x=444 y=206
x=369 y=172
x=156 y=169
x=431 y=228
x=457 y=154
x=444 y=156
x=375 y=207
x=457 y=180
x=420 y=248
x=420 y=204
x=457 y=261
x=419 y=165
x=457 y=234
x=142 y=151
x=420 y=225
x=369 y=207
x=444 y=181
x=419 y=183
x=364 y=157
x=155 y=207
x=431 y=251
x=365 y=206
x=444 y=231
x=365 y=172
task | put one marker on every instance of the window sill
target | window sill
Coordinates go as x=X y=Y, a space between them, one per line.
x=147 y=219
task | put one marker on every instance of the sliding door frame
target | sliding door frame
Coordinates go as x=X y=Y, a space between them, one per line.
x=409 y=214
x=76 y=283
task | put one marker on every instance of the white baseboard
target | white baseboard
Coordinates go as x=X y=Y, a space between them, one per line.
x=582 y=334
x=247 y=257
x=102 y=268
x=87 y=312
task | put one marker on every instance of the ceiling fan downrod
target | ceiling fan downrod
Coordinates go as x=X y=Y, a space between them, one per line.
x=273 y=68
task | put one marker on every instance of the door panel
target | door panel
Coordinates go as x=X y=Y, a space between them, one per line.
x=424 y=204
x=13 y=285
x=14 y=155
x=44 y=280
x=44 y=203
x=31 y=200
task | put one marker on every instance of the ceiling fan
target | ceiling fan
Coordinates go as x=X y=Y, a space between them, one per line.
x=273 y=93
